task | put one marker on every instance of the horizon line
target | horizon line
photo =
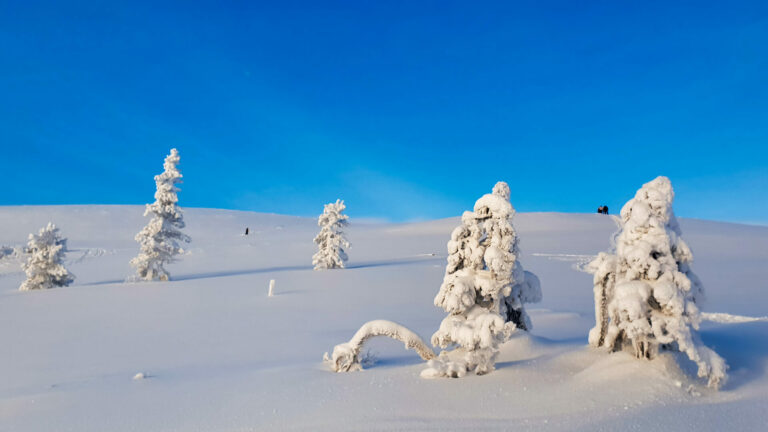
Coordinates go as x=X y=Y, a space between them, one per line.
x=376 y=219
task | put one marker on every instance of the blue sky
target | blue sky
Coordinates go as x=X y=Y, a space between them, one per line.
x=407 y=110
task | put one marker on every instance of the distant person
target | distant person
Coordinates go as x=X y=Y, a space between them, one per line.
x=605 y=209
x=246 y=230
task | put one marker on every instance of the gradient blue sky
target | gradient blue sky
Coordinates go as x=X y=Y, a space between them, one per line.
x=405 y=109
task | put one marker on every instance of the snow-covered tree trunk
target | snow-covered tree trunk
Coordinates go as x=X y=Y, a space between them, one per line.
x=346 y=356
x=604 y=280
x=646 y=296
x=331 y=242
x=160 y=240
x=484 y=289
x=45 y=265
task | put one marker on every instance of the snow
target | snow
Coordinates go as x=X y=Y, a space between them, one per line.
x=225 y=357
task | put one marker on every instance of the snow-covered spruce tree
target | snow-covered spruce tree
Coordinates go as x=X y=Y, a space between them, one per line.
x=331 y=241
x=159 y=240
x=45 y=265
x=484 y=289
x=646 y=296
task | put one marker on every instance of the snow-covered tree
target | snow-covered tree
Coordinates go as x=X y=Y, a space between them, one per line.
x=484 y=289
x=160 y=240
x=45 y=265
x=646 y=296
x=331 y=242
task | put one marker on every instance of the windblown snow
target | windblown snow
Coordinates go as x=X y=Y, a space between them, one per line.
x=209 y=350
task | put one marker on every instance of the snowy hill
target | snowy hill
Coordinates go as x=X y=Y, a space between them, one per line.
x=219 y=355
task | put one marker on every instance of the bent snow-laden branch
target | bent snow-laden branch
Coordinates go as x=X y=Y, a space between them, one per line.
x=346 y=356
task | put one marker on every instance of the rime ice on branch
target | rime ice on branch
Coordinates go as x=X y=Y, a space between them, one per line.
x=159 y=240
x=331 y=241
x=484 y=289
x=45 y=265
x=346 y=356
x=646 y=296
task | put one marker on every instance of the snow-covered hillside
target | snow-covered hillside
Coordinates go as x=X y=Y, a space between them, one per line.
x=217 y=354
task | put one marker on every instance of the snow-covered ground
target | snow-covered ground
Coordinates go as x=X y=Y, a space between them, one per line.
x=218 y=354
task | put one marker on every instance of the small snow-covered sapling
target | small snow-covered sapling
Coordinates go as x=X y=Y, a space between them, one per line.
x=331 y=242
x=45 y=265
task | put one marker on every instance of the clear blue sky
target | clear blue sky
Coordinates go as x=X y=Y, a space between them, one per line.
x=405 y=109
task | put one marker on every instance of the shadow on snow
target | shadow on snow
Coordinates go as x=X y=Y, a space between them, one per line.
x=209 y=275
x=744 y=347
x=396 y=262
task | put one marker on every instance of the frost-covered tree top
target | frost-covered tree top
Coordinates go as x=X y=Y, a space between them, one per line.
x=331 y=242
x=484 y=288
x=45 y=265
x=160 y=240
x=166 y=198
x=650 y=244
x=646 y=294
